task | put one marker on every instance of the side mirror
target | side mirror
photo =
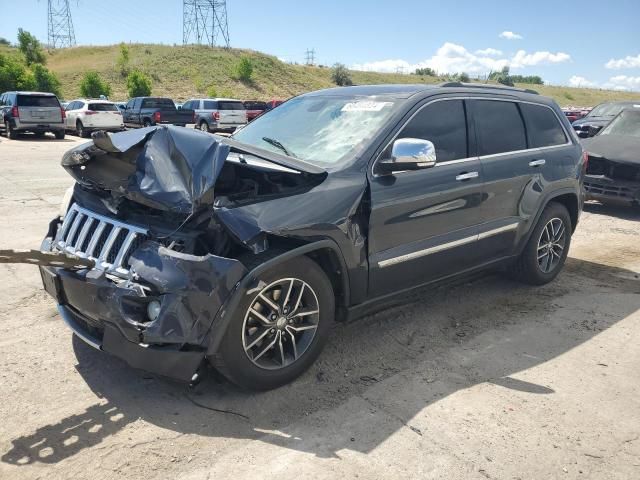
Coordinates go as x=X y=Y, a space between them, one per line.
x=409 y=154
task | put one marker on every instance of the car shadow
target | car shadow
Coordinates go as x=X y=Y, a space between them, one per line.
x=618 y=211
x=400 y=349
x=23 y=137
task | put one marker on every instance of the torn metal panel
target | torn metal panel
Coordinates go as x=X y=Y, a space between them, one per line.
x=191 y=290
x=168 y=168
x=45 y=259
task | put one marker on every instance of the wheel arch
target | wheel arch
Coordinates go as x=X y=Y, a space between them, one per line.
x=325 y=253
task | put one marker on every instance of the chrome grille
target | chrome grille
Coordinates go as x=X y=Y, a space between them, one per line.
x=106 y=241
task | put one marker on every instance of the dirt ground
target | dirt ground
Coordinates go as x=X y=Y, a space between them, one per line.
x=485 y=379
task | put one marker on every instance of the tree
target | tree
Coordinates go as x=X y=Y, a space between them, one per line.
x=463 y=77
x=14 y=75
x=244 y=70
x=340 y=75
x=92 y=86
x=45 y=80
x=138 y=84
x=212 y=92
x=502 y=76
x=427 y=72
x=4 y=41
x=30 y=48
x=122 y=63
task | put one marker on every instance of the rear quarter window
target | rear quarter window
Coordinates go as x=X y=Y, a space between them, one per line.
x=37 y=101
x=209 y=105
x=543 y=127
x=500 y=127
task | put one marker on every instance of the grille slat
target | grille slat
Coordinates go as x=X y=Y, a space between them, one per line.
x=107 y=241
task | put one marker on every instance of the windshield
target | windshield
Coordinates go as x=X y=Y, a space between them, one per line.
x=626 y=124
x=324 y=131
x=607 y=110
x=102 y=107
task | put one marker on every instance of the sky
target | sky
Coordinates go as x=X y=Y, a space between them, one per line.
x=586 y=43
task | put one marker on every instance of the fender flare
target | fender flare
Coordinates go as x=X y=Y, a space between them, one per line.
x=225 y=314
x=549 y=198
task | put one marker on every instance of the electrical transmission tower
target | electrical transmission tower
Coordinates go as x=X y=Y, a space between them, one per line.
x=60 y=25
x=310 y=56
x=203 y=21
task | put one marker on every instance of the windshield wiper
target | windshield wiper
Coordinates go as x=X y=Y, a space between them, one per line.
x=277 y=144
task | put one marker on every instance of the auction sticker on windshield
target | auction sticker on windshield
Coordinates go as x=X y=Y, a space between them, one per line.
x=365 y=106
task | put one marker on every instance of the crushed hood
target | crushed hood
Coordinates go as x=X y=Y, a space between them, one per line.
x=164 y=167
x=168 y=168
x=617 y=148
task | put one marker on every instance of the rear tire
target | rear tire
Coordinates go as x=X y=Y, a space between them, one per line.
x=204 y=126
x=9 y=131
x=546 y=251
x=146 y=123
x=80 y=130
x=270 y=348
x=59 y=134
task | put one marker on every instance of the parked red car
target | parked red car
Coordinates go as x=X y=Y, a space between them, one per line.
x=254 y=108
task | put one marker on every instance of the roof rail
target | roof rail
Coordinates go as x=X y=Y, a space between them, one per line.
x=486 y=85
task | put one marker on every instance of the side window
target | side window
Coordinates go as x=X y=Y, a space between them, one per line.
x=209 y=105
x=188 y=105
x=136 y=103
x=444 y=124
x=130 y=103
x=499 y=127
x=542 y=126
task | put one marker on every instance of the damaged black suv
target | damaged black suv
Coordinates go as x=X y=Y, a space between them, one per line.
x=179 y=247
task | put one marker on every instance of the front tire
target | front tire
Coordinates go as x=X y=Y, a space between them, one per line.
x=279 y=329
x=546 y=251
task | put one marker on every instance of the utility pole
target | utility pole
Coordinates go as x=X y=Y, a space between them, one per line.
x=203 y=21
x=59 y=24
x=310 y=56
x=400 y=70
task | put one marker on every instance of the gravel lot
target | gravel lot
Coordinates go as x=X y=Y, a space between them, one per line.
x=484 y=379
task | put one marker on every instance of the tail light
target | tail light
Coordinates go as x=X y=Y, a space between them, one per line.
x=63 y=114
x=215 y=116
x=585 y=161
x=157 y=117
x=15 y=113
x=90 y=112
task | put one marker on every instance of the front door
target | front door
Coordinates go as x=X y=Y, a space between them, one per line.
x=424 y=223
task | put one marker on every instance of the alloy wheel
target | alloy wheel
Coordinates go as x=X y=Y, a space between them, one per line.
x=280 y=324
x=551 y=245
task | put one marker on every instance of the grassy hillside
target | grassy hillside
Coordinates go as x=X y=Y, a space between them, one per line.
x=182 y=72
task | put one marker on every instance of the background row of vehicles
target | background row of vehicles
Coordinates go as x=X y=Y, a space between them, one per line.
x=42 y=112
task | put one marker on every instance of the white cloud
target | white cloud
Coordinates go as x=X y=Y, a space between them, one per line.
x=626 y=62
x=523 y=59
x=578 y=81
x=623 y=82
x=453 y=58
x=510 y=35
x=489 y=52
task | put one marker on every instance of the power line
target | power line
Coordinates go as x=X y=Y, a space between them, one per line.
x=203 y=21
x=59 y=24
x=310 y=56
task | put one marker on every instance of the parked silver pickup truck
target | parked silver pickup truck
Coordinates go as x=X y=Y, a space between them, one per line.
x=217 y=114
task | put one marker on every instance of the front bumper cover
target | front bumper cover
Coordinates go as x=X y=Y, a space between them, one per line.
x=110 y=313
x=605 y=189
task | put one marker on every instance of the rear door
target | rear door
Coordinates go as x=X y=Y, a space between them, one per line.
x=39 y=109
x=514 y=169
x=232 y=113
x=424 y=223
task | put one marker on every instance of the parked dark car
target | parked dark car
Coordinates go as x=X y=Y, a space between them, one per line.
x=242 y=251
x=271 y=104
x=36 y=112
x=149 y=111
x=613 y=172
x=254 y=109
x=599 y=117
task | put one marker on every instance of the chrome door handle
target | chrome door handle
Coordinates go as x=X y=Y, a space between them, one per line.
x=467 y=176
x=537 y=163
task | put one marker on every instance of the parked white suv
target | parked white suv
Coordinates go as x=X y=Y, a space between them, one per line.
x=86 y=115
